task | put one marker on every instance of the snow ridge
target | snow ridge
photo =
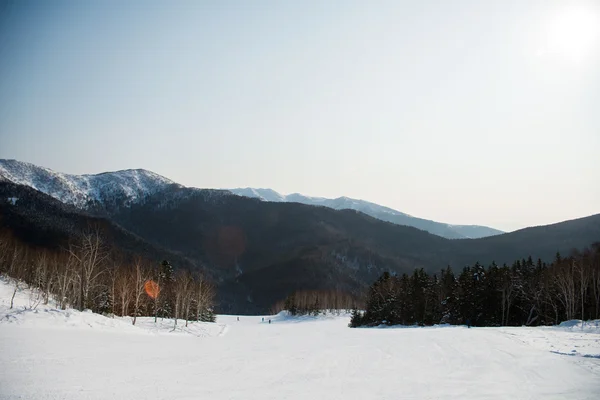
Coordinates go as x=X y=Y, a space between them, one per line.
x=340 y=203
x=374 y=210
x=116 y=188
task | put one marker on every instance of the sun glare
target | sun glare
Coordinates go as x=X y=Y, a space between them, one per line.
x=152 y=289
x=573 y=33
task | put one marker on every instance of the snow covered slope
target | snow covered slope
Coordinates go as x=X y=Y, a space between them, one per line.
x=262 y=194
x=376 y=211
x=83 y=191
x=293 y=358
x=29 y=311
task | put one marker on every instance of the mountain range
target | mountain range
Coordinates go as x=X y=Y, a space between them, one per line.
x=375 y=210
x=128 y=186
x=256 y=251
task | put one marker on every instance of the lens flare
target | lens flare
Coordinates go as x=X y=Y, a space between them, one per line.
x=152 y=289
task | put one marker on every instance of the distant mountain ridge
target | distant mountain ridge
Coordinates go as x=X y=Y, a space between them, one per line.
x=376 y=211
x=126 y=187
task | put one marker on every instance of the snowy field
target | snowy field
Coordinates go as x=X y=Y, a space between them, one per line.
x=51 y=354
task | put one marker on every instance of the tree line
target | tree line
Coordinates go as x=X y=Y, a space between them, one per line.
x=88 y=274
x=524 y=293
x=314 y=302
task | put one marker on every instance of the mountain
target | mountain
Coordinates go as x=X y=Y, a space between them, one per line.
x=376 y=211
x=110 y=189
x=122 y=188
x=256 y=251
x=262 y=194
x=475 y=231
x=42 y=221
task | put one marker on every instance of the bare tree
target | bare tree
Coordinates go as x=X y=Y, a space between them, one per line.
x=565 y=282
x=183 y=295
x=507 y=289
x=595 y=278
x=204 y=295
x=115 y=262
x=6 y=244
x=582 y=268
x=65 y=277
x=188 y=295
x=90 y=254
x=157 y=295
x=141 y=276
x=43 y=275
x=16 y=261
x=123 y=289
x=12 y=299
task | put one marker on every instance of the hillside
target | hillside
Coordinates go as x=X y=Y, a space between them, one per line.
x=262 y=250
x=542 y=241
x=42 y=221
x=257 y=251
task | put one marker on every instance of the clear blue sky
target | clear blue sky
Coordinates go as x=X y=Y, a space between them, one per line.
x=471 y=112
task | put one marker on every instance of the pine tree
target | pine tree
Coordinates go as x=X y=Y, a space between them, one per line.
x=290 y=304
x=527 y=293
x=163 y=304
x=357 y=319
x=447 y=297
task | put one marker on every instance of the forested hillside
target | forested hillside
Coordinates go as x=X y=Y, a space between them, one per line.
x=257 y=253
x=524 y=293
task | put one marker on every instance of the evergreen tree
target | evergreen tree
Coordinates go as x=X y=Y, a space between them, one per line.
x=447 y=297
x=357 y=319
x=526 y=293
x=290 y=304
x=165 y=279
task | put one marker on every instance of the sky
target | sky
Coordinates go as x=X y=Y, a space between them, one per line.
x=465 y=112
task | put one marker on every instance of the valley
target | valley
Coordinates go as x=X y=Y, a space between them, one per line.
x=257 y=252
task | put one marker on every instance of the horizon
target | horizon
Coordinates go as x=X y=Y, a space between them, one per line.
x=463 y=113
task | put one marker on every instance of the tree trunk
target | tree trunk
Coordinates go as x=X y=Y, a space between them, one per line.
x=13 y=295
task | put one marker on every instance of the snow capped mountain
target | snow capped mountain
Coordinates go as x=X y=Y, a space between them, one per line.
x=262 y=194
x=119 y=188
x=376 y=211
x=340 y=203
x=111 y=190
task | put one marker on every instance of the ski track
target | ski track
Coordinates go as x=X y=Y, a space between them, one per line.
x=310 y=358
x=47 y=353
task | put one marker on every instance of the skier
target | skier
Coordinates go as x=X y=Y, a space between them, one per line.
x=468 y=323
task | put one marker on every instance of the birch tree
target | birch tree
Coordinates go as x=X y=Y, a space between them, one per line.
x=90 y=253
x=141 y=276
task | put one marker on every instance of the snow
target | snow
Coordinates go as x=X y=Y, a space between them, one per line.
x=29 y=311
x=80 y=190
x=80 y=357
x=340 y=203
x=374 y=210
x=581 y=341
x=262 y=194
